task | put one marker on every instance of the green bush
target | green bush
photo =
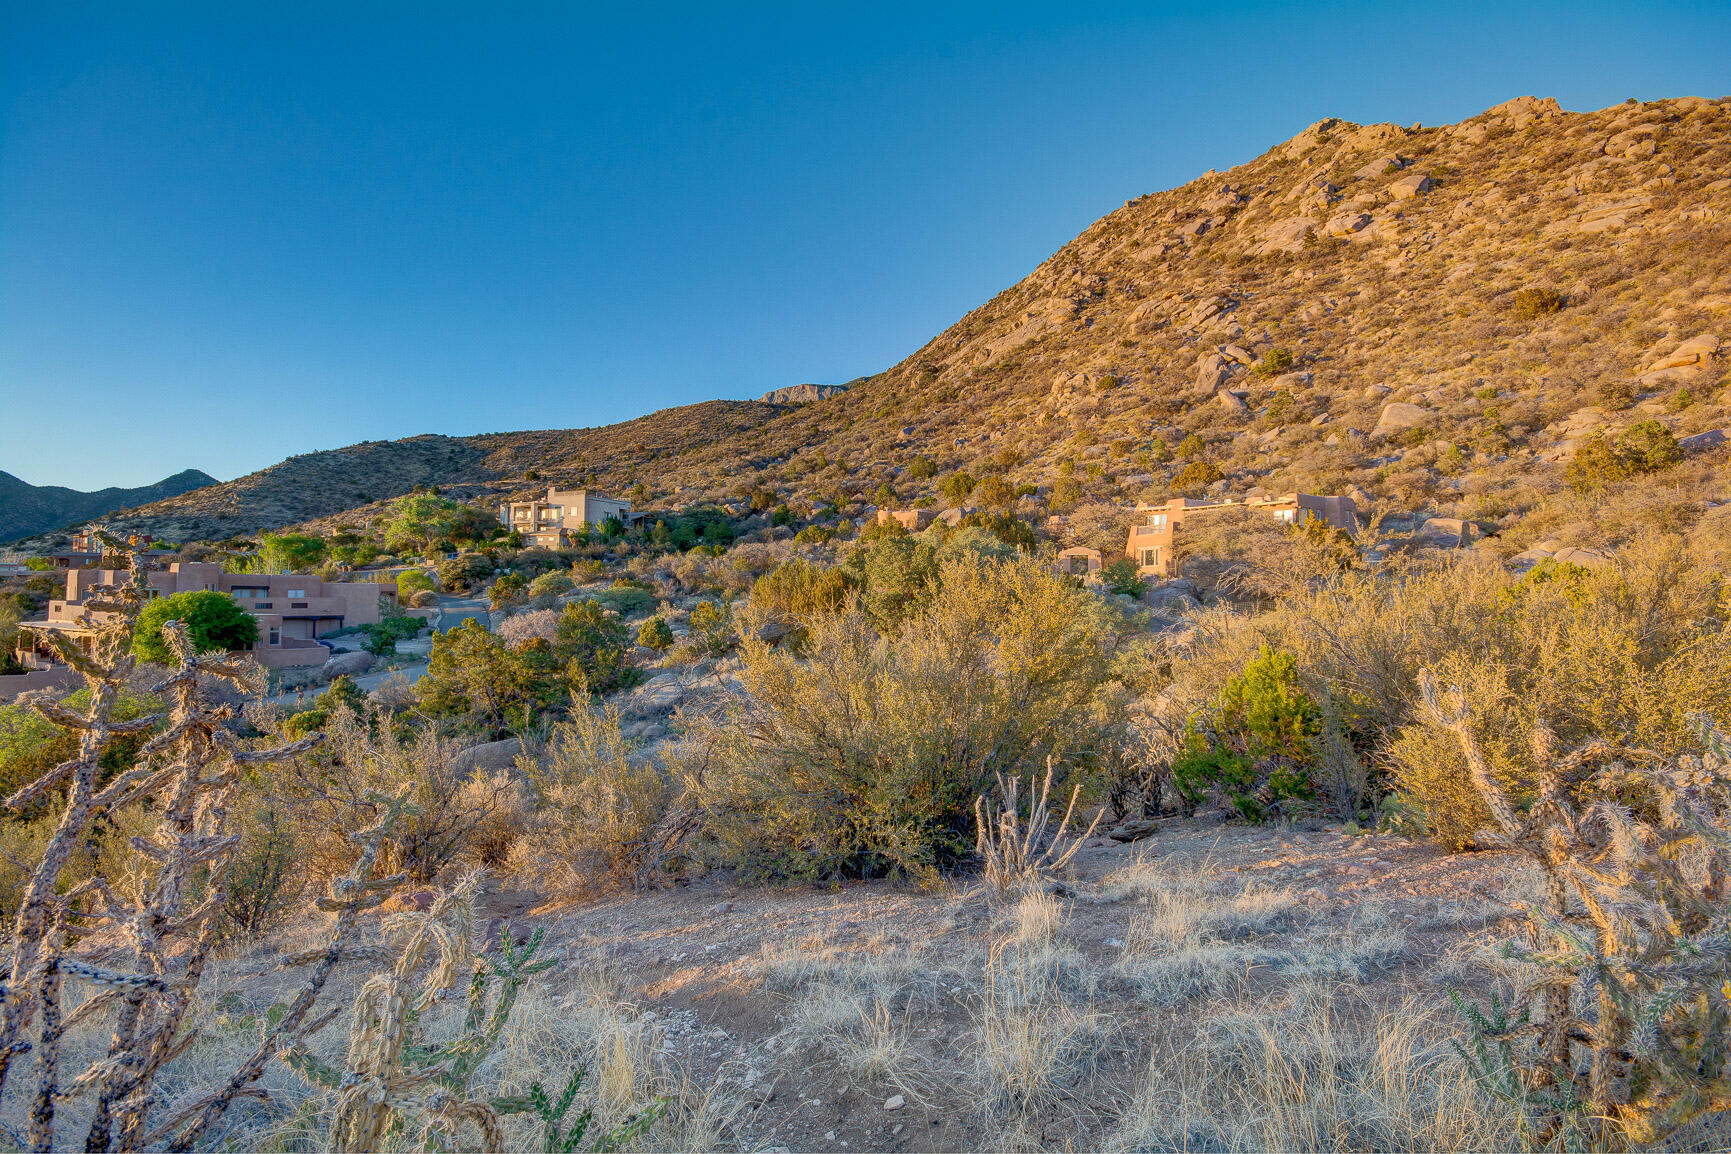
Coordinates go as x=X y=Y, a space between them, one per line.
x=382 y=637
x=550 y=585
x=1647 y=447
x=508 y=590
x=1254 y=742
x=592 y=646
x=462 y=573
x=1196 y=476
x=711 y=625
x=922 y=468
x=956 y=487
x=1274 y=362
x=213 y=621
x=1120 y=576
x=655 y=634
x=626 y=600
x=412 y=581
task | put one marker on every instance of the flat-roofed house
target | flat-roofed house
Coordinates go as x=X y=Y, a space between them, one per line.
x=1154 y=537
x=913 y=520
x=557 y=521
x=293 y=609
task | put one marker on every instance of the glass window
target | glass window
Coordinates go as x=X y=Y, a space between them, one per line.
x=275 y=635
x=297 y=592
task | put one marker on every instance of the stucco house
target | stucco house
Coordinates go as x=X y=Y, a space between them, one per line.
x=292 y=609
x=556 y=521
x=1153 y=539
x=913 y=520
x=1080 y=561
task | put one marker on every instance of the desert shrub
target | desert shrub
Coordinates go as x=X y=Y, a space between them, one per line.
x=795 y=590
x=1274 y=362
x=1629 y=651
x=1191 y=446
x=1120 y=576
x=214 y=623
x=1006 y=527
x=462 y=573
x=864 y=756
x=507 y=590
x=922 y=468
x=598 y=805
x=626 y=599
x=31 y=745
x=548 y=586
x=895 y=573
x=265 y=881
x=995 y=493
x=382 y=636
x=536 y=624
x=1248 y=553
x=711 y=627
x=330 y=792
x=655 y=634
x=423 y=599
x=1253 y=744
x=1647 y=447
x=591 y=644
x=1532 y=302
x=956 y=487
x=479 y=676
x=413 y=581
x=1196 y=476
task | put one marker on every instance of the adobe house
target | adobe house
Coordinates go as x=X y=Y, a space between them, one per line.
x=1151 y=542
x=555 y=522
x=913 y=520
x=292 y=609
x=1080 y=561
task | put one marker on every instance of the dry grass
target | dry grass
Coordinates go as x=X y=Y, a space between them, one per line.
x=1312 y=1067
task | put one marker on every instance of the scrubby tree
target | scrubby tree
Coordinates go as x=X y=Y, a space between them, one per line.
x=591 y=645
x=655 y=634
x=289 y=552
x=214 y=624
x=419 y=519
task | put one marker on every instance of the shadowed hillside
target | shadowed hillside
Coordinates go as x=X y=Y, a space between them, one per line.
x=27 y=508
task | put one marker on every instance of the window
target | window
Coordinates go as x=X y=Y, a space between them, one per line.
x=275 y=635
x=1150 y=556
x=1157 y=521
x=297 y=592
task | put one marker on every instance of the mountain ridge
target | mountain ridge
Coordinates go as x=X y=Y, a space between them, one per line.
x=1427 y=317
x=27 y=509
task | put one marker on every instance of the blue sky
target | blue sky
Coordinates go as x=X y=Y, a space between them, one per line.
x=234 y=232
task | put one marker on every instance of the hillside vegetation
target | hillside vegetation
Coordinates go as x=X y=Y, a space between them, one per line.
x=1427 y=318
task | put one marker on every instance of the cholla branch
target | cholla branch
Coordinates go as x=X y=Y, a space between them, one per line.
x=104 y=669
x=1016 y=852
x=1631 y=947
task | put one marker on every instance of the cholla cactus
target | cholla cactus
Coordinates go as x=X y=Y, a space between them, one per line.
x=1017 y=853
x=38 y=930
x=1619 y=1035
x=390 y=1079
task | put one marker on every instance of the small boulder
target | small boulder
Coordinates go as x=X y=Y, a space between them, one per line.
x=348 y=664
x=1692 y=353
x=489 y=756
x=1446 y=533
x=1411 y=185
x=1228 y=400
x=1286 y=235
x=1346 y=223
x=1379 y=166
x=1700 y=442
x=1133 y=831
x=1401 y=415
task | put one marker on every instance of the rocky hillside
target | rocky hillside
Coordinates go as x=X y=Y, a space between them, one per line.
x=317 y=485
x=26 y=509
x=1429 y=318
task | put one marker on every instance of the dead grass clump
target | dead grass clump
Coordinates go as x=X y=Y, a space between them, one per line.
x=1308 y=1069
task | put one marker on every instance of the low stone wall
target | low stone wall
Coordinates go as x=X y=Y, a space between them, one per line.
x=12 y=684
